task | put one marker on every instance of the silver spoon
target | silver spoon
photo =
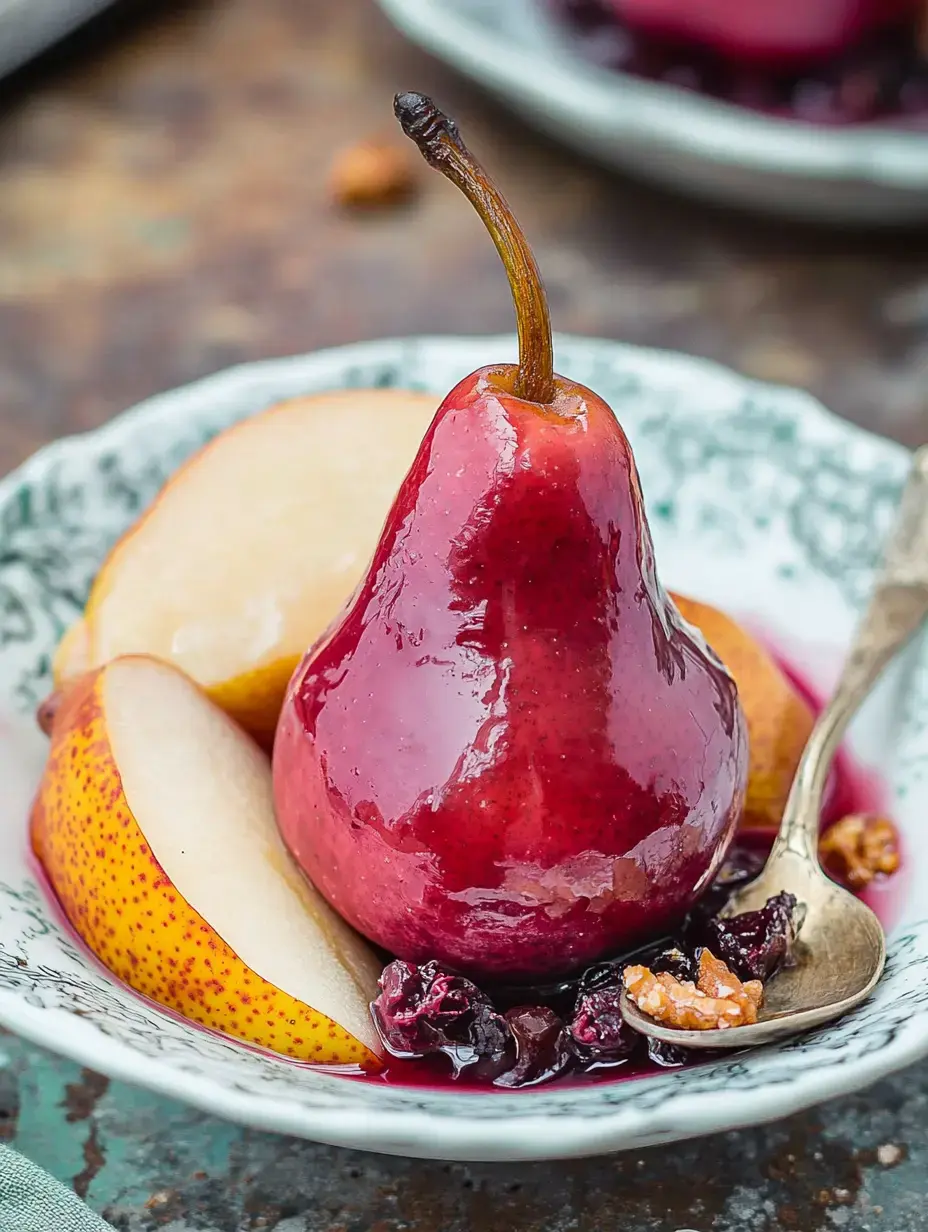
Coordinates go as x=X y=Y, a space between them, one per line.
x=841 y=948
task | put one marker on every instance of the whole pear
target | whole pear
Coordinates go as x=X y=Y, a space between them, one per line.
x=510 y=753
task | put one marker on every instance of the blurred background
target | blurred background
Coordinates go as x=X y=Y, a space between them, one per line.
x=187 y=185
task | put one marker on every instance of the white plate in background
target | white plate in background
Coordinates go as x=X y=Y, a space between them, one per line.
x=682 y=140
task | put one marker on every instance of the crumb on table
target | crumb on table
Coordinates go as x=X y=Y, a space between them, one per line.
x=858 y=848
x=371 y=173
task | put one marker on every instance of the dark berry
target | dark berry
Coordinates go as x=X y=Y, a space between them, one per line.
x=598 y=977
x=676 y=962
x=542 y=1047
x=756 y=944
x=425 y=1010
x=598 y=1031
x=667 y=1056
x=742 y=864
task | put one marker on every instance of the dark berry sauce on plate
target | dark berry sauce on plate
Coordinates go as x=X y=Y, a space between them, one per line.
x=883 y=79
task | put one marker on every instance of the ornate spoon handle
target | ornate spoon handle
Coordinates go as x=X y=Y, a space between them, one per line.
x=897 y=609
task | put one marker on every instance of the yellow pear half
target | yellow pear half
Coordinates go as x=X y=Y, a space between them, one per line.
x=252 y=548
x=155 y=824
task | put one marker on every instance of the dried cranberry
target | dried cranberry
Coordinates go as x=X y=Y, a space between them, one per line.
x=598 y=1029
x=741 y=865
x=598 y=977
x=755 y=944
x=681 y=964
x=425 y=1010
x=542 y=1047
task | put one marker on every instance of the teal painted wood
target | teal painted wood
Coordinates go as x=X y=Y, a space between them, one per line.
x=147 y=1163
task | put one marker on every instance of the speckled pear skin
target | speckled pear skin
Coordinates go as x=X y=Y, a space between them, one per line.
x=123 y=905
x=510 y=754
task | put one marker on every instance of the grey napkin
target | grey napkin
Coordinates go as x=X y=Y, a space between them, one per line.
x=33 y=1201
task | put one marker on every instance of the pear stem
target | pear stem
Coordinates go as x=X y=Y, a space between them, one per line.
x=440 y=144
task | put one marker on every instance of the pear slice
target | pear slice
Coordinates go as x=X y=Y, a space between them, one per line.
x=155 y=824
x=253 y=547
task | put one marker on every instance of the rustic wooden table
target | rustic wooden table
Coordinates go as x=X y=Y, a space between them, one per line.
x=164 y=212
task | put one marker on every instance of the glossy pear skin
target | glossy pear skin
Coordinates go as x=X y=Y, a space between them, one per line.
x=509 y=753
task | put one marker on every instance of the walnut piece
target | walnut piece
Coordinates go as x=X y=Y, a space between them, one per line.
x=716 y=979
x=371 y=173
x=858 y=847
x=716 y=1001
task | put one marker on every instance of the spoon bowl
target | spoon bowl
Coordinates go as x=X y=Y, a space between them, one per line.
x=840 y=951
x=839 y=957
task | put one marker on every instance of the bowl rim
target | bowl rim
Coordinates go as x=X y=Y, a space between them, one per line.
x=429 y=1135
x=418 y=1131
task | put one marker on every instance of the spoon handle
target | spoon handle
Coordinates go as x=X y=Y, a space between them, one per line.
x=897 y=608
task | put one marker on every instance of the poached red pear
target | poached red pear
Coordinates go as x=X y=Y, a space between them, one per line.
x=779 y=33
x=510 y=753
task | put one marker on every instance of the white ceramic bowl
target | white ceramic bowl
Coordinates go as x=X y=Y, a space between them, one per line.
x=759 y=500
x=723 y=153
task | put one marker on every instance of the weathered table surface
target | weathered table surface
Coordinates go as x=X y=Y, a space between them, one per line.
x=164 y=212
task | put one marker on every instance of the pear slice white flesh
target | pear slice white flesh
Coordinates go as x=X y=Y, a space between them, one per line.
x=253 y=547
x=155 y=824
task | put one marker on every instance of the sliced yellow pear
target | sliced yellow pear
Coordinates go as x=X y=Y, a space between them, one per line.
x=253 y=546
x=155 y=824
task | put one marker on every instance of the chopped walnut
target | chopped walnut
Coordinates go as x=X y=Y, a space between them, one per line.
x=715 y=979
x=858 y=847
x=370 y=174
x=717 y=1000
